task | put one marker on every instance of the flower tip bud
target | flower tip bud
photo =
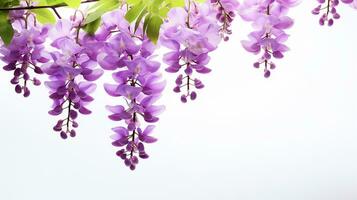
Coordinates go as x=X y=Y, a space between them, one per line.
x=267 y=74
x=183 y=99
x=36 y=82
x=63 y=135
x=193 y=96
x=18 y=89
x=26 y=92
x=73 y=133
x=177 y=89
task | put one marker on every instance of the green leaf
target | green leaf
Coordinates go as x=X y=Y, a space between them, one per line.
x=92 y=27
x=54 y=2
x=141 y=16
x=132 y=2
x=163 y=12
x=134 y=12
x=6 y=30
x=154 y=6
x=73 y=3
x=100 y=8
x=157 y=3
x=153 y=28
x=49 y=2
x=44 y=16
x=146 y=22
x=9 y=3
x=176 y=3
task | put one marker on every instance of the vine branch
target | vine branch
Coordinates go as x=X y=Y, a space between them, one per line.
x=39 y=7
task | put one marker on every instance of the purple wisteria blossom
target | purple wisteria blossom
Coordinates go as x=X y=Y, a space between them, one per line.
x=71 y=72
x=269 y=21
x=190 y=34
x=25 y=52
x=329 y=11
x=226 y=12
x=137 y=81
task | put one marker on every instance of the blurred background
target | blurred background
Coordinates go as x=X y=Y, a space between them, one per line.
x=290 y=137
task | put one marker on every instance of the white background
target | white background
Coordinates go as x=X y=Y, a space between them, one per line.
x=290 y=137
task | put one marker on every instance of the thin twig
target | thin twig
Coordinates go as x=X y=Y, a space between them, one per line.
x=39 y=7
x=58 y=15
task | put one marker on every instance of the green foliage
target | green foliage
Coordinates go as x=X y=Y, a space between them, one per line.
x=8 y=3
x=51 y=2
x=100 y=8
x=6 y=30
x=153 y=27
x=176 y=3
x=73 y=3
x=92 y=27
x=153 y=12
x=44 y=16
x=135 y=11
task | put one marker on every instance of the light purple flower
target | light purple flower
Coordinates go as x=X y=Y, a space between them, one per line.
x=269 y=20
x=25 y=52
x=190 y=34
x=226 y=12
x=137 y=81
x=71 y=71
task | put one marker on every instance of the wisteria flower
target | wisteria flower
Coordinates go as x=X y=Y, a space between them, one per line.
x=137 y=81
x=190 y=37
x=269 y=20
x=71 y=72
x=25 y=52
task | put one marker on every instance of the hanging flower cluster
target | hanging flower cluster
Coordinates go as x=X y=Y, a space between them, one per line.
x=137 y=81
x=25 y=52
x=269 y=21
x=329 y=11
x=226 y=12
x=190 y=33
x=71 y=72
x=121 y=37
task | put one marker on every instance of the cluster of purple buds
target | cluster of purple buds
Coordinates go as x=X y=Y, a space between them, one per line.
x=71 y=98
x=25 y=52
x=190 y=34
x=328 y=7
x=330 y=12
x=71 y=73
x=192 y=62
x=226 y=12
x=138 y=83
x=270 y=21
